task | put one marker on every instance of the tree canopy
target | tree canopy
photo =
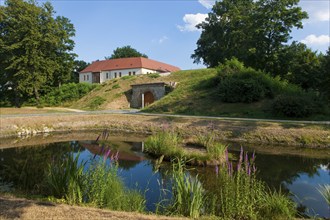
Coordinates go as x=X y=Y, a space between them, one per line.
x=125 y=52
x=252 y=31
x=35 y=47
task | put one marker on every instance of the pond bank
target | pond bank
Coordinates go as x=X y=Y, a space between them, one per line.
x=276 y=133
x=19 y=208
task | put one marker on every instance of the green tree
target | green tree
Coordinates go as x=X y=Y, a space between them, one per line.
x=325 y=75
x=125 y=52
x=300 y=65
x=79 y=65
x=34 y=47
x=252 y=31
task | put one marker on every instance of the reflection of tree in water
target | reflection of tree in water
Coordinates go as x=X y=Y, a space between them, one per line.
x=25 y=167
x=275 y=169
x=127 y=164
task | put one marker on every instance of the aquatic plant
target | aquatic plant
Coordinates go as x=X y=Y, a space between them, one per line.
x=65 y=177
x=238 y=194
x=325 y=192
x=164 y=143
x=98 y=185
x=187 y=192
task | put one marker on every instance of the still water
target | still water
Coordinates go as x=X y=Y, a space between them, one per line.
x=24 y=168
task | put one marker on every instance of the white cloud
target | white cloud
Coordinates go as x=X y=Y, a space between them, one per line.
x=207 y=3
x=317 y=10
x=322 y=15
x=191 y=20
x=162 y=39
x=313 y=40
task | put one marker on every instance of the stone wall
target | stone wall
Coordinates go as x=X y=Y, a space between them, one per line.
x=157 y=89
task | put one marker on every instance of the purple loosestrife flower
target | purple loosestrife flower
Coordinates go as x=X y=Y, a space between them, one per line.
x=254 y=169
x=247 y=166
x=240 y=160
x=249 y=171
x=253 y=156
x=106 y=155
x=216 y=170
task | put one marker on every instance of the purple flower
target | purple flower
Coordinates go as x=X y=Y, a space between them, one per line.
x=216 y=170
x=106 y=155
x=253 y=156
x=226 y=155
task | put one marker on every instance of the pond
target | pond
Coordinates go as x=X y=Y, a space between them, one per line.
x=24 y=168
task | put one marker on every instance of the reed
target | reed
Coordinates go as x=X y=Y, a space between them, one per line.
x=98 y=185
x=325 y=192
x=187 y=192
x=238 y=194
x=164 y=143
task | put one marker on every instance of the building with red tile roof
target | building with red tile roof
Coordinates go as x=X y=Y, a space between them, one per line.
x=100 y=71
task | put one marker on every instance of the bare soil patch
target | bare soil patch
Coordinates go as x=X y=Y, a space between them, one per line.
x=34 y=110
x=17 y=208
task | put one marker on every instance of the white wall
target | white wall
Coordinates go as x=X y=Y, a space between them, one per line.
x=87 y=76
x=111 y=74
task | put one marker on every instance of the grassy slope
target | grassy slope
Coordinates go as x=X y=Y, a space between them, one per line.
x=195 y=94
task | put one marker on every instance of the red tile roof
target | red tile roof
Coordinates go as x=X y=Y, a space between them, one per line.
x=129 y=63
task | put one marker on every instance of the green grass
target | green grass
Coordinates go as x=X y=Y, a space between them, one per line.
x=196 y=93
x=98 y=186
x=170 y=145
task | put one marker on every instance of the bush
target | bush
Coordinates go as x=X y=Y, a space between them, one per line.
x=66 y=93
x=241 y=84
x=294 y=106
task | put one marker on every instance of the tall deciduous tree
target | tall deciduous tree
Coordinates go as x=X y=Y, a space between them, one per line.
x=252 y=31
x=34 y=47
x=125 y=52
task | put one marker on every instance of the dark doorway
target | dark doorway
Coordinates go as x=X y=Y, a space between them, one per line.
x=96 y=78
x=148 y=98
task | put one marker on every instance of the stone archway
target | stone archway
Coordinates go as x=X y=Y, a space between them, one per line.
x=146 y=93
x=148 y=98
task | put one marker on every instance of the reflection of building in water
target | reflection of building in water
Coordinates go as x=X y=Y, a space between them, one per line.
x=129 y=151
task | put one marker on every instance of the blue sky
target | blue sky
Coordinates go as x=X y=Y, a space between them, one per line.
x=164 y=30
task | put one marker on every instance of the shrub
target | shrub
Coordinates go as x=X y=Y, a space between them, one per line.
x=153 y=75
x=293 y=106
x=66 y=93
x=241 y=84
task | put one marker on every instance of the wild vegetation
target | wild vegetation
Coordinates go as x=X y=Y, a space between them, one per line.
x=95 y=183
x=236 y=194
x=171 y=145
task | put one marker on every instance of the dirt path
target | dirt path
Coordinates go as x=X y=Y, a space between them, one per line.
x=17 y=208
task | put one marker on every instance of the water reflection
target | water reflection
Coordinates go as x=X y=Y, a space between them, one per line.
x=25 y=168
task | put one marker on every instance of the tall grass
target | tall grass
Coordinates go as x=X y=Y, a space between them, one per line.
x=164 y=143
x=65 y=178
x=99 y=185
x=187 y=192
x=325 y=192
x=238 y=194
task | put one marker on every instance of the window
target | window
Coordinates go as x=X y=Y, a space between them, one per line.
x=87 y=77
x=133 y=73
x=107 y=75
x=115 y=74
x=119 y=74
x=84 y=77
x=129 y=73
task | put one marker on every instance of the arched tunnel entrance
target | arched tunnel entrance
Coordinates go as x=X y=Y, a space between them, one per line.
x=147 y=93
x=148 y=98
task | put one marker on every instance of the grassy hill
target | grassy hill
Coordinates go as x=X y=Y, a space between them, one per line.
x=196 y=93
